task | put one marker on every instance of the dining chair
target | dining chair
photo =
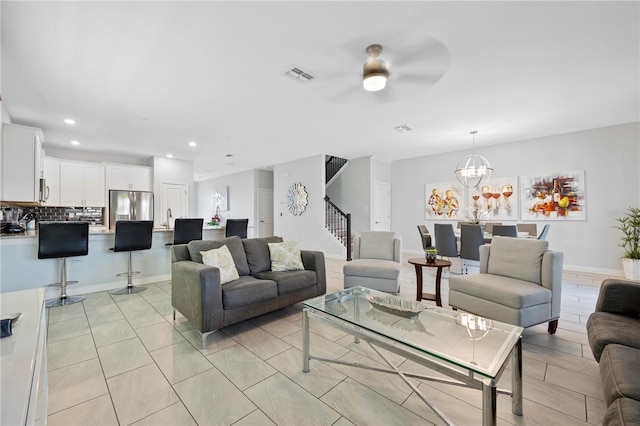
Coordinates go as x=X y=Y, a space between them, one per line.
x=531 y=228
x=488 y=227
x=471 y=238
x=424 y=236
x=236 y=227
x=446 y=243
x=543 y=234
x=505 y=231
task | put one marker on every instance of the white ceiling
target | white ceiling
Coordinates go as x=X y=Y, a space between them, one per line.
x=144 y=78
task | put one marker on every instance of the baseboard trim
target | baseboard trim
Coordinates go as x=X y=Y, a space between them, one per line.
x=77 y=290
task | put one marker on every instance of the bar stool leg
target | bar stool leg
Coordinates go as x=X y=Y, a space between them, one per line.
x=63 y=299
x=130 y=288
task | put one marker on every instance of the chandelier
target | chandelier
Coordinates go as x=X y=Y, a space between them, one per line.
x=473 y=169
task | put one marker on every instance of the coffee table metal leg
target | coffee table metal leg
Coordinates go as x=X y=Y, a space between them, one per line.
x=419 y=282
x=516 y=379
x=305 y=341
x=489 y=393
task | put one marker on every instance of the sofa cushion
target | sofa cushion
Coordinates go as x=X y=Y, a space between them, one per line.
x=285 y=256
x=221 y=258
x=377 y=245
x=604 y=328
x=623 y=411
x=289 y=281
x=257 y=252
x=234 y=244
x=510 y=292
x=619 y=370
x=373 y=268
x=247 y=290
x=518 y=258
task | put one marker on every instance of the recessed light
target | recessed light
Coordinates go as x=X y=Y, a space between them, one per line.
x=169 y=155
x=69 y=121
x=192 y=143
x=228 y=155
x=75 y=143
x=403 y=128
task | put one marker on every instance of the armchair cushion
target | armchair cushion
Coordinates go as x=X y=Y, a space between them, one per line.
x=377 y=245
x=373 y=268
x=517 y=258
x=511 y=292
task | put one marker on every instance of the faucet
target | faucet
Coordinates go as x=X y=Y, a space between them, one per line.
x=169 y=215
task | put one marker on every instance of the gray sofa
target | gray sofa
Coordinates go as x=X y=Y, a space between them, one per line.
x=197 y=294
x=614 y=336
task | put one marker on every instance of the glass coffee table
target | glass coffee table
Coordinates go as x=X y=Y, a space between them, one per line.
x=471 y=350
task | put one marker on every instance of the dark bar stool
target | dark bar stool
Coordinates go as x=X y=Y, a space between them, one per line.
x=186 y=230
x=132 y=235
x=236 y=227
x=59 y=240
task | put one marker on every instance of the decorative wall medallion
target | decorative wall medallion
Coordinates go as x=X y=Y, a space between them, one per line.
x=297 y=199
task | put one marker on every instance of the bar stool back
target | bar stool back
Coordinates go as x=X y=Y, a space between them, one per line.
x=236 y=227
x=59 y=240
x=186 y=230
x=132 y=235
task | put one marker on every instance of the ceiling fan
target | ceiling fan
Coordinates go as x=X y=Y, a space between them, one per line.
x=411 y=65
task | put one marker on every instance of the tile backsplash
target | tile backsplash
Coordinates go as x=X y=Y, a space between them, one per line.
x=93 y=215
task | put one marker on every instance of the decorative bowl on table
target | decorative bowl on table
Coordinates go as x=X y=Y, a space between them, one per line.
x=395 y=305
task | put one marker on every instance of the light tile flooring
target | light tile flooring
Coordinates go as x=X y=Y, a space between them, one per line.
x=123 y=360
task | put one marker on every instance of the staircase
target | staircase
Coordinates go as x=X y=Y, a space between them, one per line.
x=337 y=221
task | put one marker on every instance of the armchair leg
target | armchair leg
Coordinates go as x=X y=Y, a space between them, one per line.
x=553 y=326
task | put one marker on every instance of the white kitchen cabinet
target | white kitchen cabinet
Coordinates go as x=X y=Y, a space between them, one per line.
x=21 y=163
x=51 y=174
x=126 y=177
x=82 y=184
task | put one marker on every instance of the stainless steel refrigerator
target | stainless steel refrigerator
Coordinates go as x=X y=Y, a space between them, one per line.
x=129 y=205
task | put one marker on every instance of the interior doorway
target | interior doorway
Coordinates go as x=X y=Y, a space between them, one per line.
x=381 y=207
x=174 y=198
x=265 y=212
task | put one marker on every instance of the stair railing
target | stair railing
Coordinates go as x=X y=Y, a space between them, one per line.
x=338 y=223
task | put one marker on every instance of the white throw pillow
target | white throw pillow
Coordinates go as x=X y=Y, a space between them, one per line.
x=285 y=256
x=221 y=258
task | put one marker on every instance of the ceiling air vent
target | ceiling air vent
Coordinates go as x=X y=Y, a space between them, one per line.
x=298 y=74
x=403 y=128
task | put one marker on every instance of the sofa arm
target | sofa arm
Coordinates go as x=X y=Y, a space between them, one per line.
x=197 y=294
x=620 y=297
x=314 y=261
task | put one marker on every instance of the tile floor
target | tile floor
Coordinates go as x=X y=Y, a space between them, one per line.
x=123 y=360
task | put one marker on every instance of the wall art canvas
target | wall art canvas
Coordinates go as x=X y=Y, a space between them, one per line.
x=445 y=201
x=219 y=199
x=496 y=199
x=553 y=196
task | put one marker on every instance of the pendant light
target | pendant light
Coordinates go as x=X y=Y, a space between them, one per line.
x=473 y=169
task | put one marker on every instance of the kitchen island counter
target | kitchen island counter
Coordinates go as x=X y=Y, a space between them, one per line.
x=21 y=269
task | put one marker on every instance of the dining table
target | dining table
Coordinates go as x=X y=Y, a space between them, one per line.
x=488 y=236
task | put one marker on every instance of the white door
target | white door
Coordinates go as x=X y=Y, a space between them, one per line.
x=265 y=213
x=381 y=207
x=175 y=199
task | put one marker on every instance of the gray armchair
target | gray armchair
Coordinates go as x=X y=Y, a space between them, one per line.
x=520 y=283
x=376 y=263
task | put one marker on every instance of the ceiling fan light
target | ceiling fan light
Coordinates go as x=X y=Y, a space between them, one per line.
x=374 y=81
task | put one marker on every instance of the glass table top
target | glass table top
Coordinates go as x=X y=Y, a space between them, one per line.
x=454 y=337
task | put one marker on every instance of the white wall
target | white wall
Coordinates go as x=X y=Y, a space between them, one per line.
x=240 y=193
x=609 y=156
x=351 y=192
x=178 y=172
x=307 y=228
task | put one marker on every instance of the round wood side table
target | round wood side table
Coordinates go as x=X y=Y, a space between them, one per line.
x=421 y=262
